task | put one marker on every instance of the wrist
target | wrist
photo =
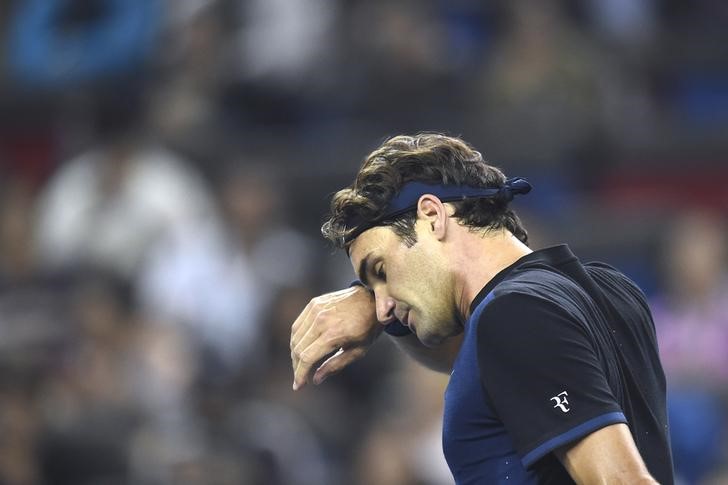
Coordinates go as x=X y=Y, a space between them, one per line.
x=359 y=284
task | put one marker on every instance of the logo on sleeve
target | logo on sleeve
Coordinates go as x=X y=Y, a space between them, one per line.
x=561 y=401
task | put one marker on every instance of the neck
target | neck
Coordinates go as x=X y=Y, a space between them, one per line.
x=478 y=259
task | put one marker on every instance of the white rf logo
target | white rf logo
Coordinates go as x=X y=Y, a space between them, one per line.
x=561 y=401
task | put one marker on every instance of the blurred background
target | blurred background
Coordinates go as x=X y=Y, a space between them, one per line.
x=165 y=167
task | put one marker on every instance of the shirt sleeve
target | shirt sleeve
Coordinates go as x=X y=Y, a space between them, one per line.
x=542 y=374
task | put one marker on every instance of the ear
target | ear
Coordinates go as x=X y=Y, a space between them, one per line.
x=434 y=213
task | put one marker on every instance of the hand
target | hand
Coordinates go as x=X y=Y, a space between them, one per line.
x=344 y=320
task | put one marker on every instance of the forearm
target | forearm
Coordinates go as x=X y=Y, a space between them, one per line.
x=440 y=358
x=611 y=477
x=625 y=479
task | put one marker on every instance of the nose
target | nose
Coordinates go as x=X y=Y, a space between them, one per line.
x=385 y=308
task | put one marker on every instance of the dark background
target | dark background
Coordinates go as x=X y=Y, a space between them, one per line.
x=165 y=167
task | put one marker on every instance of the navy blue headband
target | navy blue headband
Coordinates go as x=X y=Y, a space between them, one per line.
x=408 y=196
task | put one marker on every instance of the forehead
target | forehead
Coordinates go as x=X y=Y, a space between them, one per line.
x=376 y=240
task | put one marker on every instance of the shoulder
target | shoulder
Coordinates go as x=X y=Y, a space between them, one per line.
x=539 y=278
x=535 y=288
x=615 y=282
x=520 y=323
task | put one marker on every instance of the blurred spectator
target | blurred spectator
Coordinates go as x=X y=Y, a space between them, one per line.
x=403 y=446
x=17 y=259
x=193 y=68
x=630 y=24
x=543 y=71
x=285 y=44
x=27 y=333
x=32 y=318
x=119 y=394
x=282 y=60
x=148 y=287
x=692 y=325
x=222 y=284
x=265 y=429
x=86 y=405
x=394 y=43
x=20 y=433
x=256 y=204
x=108 y=205
x=692 y=313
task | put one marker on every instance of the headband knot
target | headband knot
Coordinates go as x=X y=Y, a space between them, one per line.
x=512 y=187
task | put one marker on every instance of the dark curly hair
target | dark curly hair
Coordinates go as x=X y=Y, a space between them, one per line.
x=425 y=157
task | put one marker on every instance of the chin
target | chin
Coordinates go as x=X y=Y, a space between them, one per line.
x=431 y=339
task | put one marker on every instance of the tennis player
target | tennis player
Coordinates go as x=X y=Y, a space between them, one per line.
x=555 y=374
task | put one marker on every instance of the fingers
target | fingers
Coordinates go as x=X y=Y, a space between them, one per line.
x=329 y=322
x=309 y=356
x=337 y=362
x=300 y=322
x=310 y=325
x=302 y=330
x=303 y=348
x=304 y=321
x=305 y=330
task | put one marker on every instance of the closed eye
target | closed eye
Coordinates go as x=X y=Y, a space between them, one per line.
x=380 y=273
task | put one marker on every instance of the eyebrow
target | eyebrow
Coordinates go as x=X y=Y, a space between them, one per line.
x=364 y=270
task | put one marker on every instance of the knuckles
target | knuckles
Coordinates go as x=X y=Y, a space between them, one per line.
x=333 y=330
x=306 y=358
x=334 y=340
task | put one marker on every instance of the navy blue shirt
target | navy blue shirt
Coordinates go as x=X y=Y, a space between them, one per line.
x=553 y=351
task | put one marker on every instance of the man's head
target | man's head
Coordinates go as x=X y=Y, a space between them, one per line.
x=430 y=158
x=406 y=218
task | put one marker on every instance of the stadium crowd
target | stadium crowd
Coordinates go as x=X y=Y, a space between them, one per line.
x=161 y=165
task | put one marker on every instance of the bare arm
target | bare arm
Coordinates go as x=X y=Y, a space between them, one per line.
x=345 y=321
x=606 y=456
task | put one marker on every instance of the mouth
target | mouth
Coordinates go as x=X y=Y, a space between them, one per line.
x=404 y=319
x=407 y=321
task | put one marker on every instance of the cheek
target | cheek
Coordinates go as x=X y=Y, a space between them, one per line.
x=413 y=275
